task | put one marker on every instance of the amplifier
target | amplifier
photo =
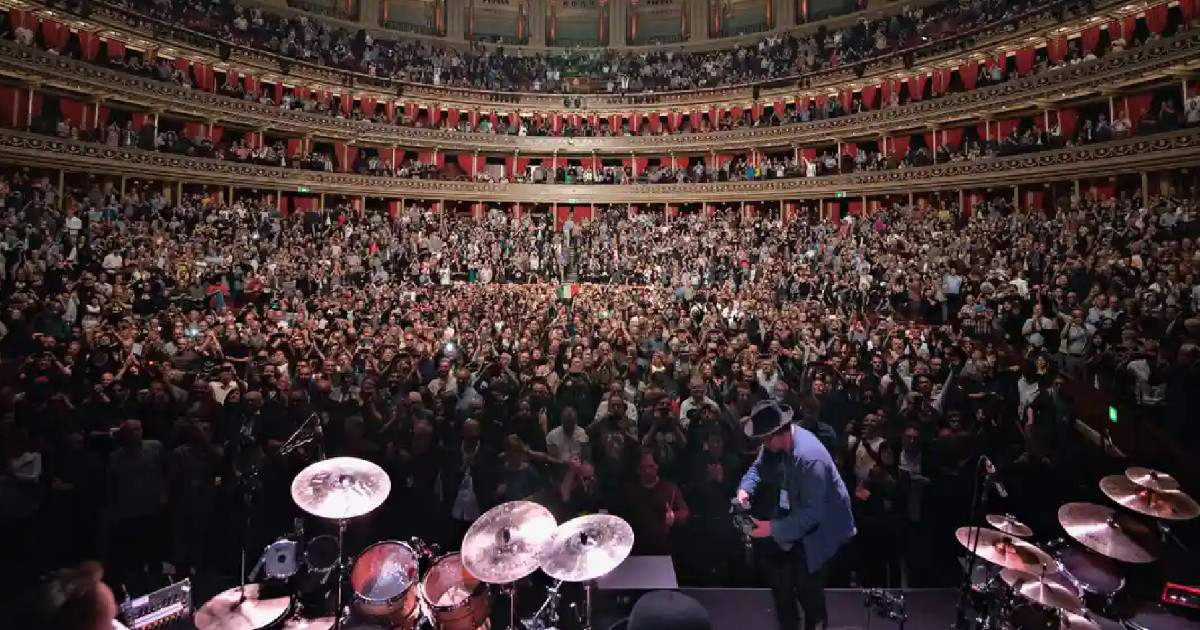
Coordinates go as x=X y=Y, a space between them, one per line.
x=1181 y=595
x=165 y=608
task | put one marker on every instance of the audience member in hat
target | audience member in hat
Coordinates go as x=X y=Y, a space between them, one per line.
x=809 y=507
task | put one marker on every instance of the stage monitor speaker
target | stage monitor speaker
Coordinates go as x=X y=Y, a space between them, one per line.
x=616 y=593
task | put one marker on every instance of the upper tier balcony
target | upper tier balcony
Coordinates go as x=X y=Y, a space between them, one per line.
x=1037 y=22
x=1171 y=57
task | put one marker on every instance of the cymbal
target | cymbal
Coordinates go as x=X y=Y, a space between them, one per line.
x=1152 y=479
x=1102 y=530
x=1171 y=506
x=587 y=547
x=301 y=623
x=1002 y=549
x=503 y=544
x=1008 y=524
x=1073 y=621
x=1048 y=590
x=340 y=488
x=227 y=611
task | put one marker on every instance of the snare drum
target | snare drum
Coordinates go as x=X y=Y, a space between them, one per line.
x=1097 y=576
x=1154 y=616
x=454 y=600
x=279 y=559
x=384 y=579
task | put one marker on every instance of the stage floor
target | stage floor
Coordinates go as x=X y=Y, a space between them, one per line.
x=752 y=609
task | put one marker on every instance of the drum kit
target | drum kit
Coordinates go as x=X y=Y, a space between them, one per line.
x=1066 y=584
x=407 y=585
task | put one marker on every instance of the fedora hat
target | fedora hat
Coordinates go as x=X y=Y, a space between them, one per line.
x=767 y=418
x=666 y=610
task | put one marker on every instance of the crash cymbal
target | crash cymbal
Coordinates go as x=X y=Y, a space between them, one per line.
x=228 y=611
x=1006 y=551
x=503 y=545
x=341 y=488
x=1103 y=530
x=1171 y=506
x=587 y=547
x=1051 y=590
x=1008 y=524
x=1152 y=479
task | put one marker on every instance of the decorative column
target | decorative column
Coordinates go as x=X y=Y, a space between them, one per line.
x=536 y=14
x=618 y=12
x=456 y=17
x=698 y=20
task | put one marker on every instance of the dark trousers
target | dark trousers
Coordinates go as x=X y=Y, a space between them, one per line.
x=793 y=587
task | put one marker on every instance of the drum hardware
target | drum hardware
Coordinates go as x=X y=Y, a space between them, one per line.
x=886 y=604
x=546 y=616
x=242 y=608
x=505 y=543
x=1151 y=479
x=984 y=470
x=453 y=598
x=1009 y=524
x=384 y=579
x=1102 y=530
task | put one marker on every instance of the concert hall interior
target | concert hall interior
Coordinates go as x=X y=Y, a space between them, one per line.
x=599 y=314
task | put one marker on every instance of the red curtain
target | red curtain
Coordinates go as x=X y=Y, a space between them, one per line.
x=847 y=99
x=215 y=134
x=115 y=49
x=1056 y=49
x=1187 y=8
x=467 y=164
x=1024 y=61
x=1137 y=107
x=952 y=137
x=654 y=122
x=1156 y=18
x=868 y=96
x=1090 y=39
x=54 y=34
x=916 y=87
x=885 y=94
x=72 y=111
x=1006 y=127
x=969 y=74
x=900 y=145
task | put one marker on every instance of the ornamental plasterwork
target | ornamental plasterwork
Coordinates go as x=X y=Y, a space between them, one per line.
x=1172 y=150
x=1085 y=77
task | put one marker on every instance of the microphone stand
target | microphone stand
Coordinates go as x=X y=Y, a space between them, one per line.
x=250 y=487
x=978 y=499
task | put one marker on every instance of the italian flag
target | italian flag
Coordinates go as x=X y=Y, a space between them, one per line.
x=567 y=291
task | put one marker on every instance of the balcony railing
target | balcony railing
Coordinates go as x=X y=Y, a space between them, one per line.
x=1163 y=151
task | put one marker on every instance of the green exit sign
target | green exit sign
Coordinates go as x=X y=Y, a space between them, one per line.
x=1112 y=415
x=572 y=200
x=839 y=194
x=302 y=189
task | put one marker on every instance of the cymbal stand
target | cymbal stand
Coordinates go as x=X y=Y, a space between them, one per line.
x=250 y=486
x=979 y=499
x=547 y=615
x=341 y=574
x=1165 y=533
x=510 y=590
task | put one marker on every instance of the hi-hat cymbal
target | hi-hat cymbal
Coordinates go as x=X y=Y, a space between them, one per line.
x=341 y=488
x=1049 y=590
x=228 y=611
x=1102 y=530
x=1171 y=506
x=504 y=544
x=1152 y=479
x=303 y=623
x=587 y=547
x=1004 y=550
x=1008 y=524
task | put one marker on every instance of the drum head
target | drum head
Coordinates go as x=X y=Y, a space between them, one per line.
x=279 y=559
x=1093 y=572
x=321 y=553
x=384 y=571
x=446 y=584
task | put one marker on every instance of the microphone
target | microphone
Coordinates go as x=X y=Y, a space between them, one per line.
x=989 y=478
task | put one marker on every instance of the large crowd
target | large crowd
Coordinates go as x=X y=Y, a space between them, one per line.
x=925 y=29
x=156 y=351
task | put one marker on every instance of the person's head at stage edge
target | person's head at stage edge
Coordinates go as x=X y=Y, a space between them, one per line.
x=71 y=599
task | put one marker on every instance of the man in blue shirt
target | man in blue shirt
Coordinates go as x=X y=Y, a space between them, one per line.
x=811 y=517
